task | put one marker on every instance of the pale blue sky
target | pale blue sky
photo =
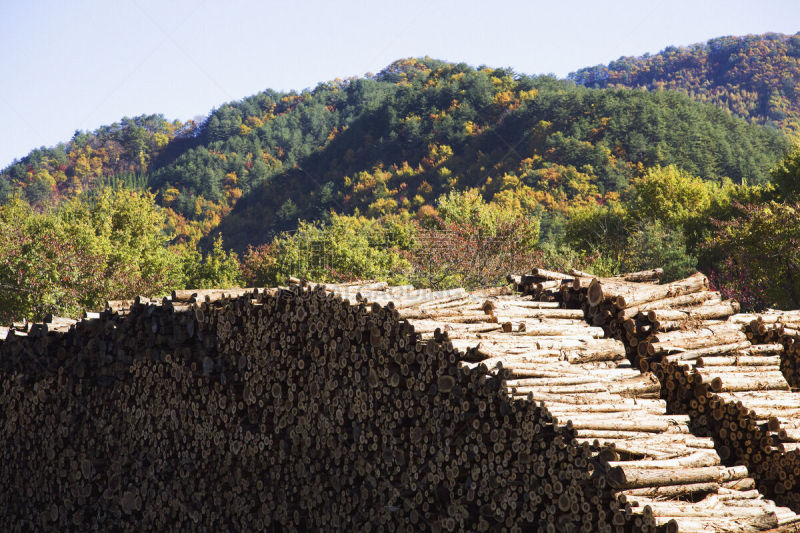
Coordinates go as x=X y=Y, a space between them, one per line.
x=67 y=65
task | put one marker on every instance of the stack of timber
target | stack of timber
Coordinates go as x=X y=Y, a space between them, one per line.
x=744 y=403
x=781 y=327
x=656 y=466
x=550 y=285
x=731 y=389
x=297 y=409
x=542 y=284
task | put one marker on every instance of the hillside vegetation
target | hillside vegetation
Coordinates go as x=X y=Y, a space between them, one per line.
x=395 y=142
x=435 y=173
x=754 y=76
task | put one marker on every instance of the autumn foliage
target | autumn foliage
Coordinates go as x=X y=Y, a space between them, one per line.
x=432 y=173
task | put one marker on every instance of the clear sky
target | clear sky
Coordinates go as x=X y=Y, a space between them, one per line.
x=68 y=65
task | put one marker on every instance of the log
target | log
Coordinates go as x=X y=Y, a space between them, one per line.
x=653 y=274
x=709 y=352
x=550 y=274
x=695 y=283
x=739 y=360
x=632 y=478
x=676 y=302
x=691 y=490
x=693 y=460
x=691 y=343
x=747 y=382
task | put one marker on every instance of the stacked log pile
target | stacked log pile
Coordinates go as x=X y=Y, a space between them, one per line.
x=351 y=407
x=550 y=285
x=742 y=400
x=657 y=468
x=732 y=390
x=781 y=327
x=542 y=284
x=293 y=409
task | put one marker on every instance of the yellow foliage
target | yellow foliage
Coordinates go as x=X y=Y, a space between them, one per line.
x=198 y=206
x=426 y=211
x=75 y=185
x=160 y=139
x=96 y=164
x=170 y=195
x=83 y=167
x=363 y=181
x=233 y=195
x=438 y=154
x=503 y=98
x=671 y=195
x=509 y=181
x=405 y=170
x=255 y=122
x=45 y=179
x=381 y=207
x=520 y=199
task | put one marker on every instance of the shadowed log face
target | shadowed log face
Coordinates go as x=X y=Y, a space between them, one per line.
x=279 y=409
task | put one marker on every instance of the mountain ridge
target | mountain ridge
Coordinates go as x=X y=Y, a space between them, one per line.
x=394 y=141
x=755 y=76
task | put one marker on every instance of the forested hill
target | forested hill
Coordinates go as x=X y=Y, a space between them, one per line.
x=393 y=143
x=437 y=127
x=755 y=76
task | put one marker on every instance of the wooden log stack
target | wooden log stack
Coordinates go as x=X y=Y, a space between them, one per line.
x=732 y=389
x=696 y=343
x=749 y=413
x=351 y=407
x=295 y=409
x=550 y=285
x=656 y=467
x=780 y=327
x=542 y=284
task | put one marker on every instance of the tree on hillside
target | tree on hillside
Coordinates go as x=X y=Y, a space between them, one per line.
x=762 y=245
x=108 y=246
x=786 y=175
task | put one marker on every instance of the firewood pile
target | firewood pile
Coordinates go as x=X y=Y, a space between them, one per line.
x=749 y=411
x=550 y=285
x=713 y=365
